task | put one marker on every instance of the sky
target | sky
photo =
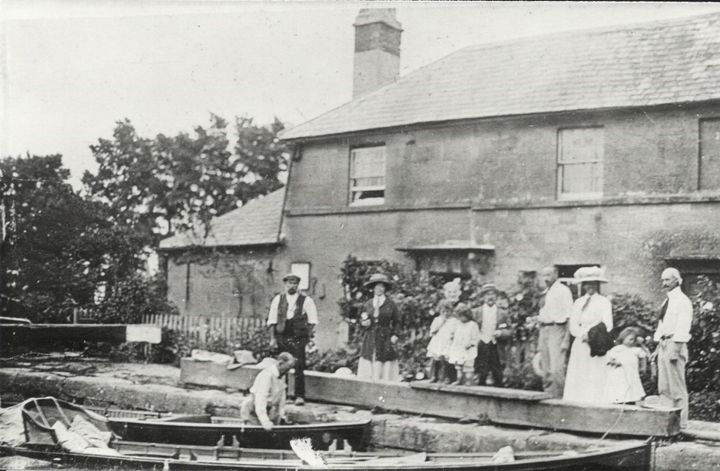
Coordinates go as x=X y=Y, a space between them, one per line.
x=71 y=69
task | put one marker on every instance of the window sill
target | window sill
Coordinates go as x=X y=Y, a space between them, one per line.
x=620 y=200
x=507 y=204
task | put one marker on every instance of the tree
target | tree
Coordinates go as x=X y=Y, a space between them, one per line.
x=59 y=246
x=171 y=184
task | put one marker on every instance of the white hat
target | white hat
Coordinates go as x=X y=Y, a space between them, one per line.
x=584 y=274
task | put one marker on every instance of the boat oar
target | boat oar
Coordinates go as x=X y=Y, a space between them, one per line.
x=304 y=450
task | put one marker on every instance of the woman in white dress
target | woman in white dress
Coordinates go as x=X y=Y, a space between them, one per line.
x=587 y=375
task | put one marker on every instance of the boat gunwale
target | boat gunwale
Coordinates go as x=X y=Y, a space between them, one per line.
x=166 y=422
x=238 y=464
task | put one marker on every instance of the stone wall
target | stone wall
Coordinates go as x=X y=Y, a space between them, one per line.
x=229 y=283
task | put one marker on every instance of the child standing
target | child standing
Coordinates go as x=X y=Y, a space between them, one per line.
x=623 y=382
x=442 y=330
x=463 y=349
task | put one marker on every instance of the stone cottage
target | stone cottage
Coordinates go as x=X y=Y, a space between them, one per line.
x=598 y=147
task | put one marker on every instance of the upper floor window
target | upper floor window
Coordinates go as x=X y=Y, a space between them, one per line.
x=709 y=168
x=580 y=163
x=367 y=176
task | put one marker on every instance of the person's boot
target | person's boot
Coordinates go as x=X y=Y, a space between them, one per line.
x=434 y=371
x=442 y=372
x=460 y=377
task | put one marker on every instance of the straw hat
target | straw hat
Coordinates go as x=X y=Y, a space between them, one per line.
x=584 y=274
x=291 y=276
x=378 y=278
x=488 y=287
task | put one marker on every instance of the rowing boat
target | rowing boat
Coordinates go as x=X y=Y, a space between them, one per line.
x=42 y=441
x=207 y=430
x=172 y=458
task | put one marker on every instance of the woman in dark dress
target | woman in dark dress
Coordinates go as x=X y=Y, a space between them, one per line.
x=380 y=321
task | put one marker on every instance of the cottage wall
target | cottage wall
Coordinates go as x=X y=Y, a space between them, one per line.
x=236 y=283
x=494 y=182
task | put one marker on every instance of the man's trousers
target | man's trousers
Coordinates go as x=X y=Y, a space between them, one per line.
x=295 y=347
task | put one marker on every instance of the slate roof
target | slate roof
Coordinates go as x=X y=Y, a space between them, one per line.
x=671 y=61
x=256 y=223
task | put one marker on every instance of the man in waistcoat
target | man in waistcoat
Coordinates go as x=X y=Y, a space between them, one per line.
x=292 y=320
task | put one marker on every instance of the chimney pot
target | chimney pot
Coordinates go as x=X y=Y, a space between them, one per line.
x=377 y=50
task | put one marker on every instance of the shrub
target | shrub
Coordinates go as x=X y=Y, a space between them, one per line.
x=131 y=299
x=331 y=360
x=417 y=296
x=703 y=368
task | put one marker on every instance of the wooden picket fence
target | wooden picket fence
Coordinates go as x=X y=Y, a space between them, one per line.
x=197 y=328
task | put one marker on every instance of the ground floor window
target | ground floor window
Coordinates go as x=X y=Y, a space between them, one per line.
x=302 y=269
x=448 y=265
x=693 y=271
x=566 y=276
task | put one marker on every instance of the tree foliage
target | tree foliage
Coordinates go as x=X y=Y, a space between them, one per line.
x=168 y=184
x=59 y=246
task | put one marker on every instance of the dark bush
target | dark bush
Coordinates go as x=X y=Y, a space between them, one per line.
x=131 y=299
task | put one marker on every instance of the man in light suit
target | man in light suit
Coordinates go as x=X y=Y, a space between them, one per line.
x=555 y=308
x=672 y=335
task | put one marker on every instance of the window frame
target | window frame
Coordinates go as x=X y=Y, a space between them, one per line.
x=561 y=165
x=352 y=190
x=569 y=281
x=304 y=271
x=714 y=119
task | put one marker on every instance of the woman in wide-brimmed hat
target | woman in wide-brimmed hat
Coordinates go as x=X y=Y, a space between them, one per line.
x=587 y=374
x=380 y=320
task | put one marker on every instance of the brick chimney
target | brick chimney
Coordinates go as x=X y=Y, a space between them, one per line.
x=377 y=50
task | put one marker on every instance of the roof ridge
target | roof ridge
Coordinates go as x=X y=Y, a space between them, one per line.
x=225 y=224
x=408 y=89
x=597 y=30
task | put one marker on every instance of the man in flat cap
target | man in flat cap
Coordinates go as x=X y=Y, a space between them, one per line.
x=292 y=320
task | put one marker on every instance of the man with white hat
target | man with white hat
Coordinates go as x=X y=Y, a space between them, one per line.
x=292 y=320
x=672 y=335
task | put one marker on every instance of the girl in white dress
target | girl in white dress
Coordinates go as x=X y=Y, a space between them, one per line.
x=464 y=345
x=623 y=384
x=587 y=375
x=442 y=330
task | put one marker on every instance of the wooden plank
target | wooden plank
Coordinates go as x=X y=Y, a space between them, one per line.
x=505 y=393
x=550 y=413
x=512 y=407
x=206 y=373
x=59 y=334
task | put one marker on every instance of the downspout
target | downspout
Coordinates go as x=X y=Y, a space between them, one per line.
x=296 y=154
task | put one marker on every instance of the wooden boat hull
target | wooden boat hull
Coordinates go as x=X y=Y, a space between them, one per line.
x=182 y=430
x=628 y=458
x=41 y=416
x=200 y=429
